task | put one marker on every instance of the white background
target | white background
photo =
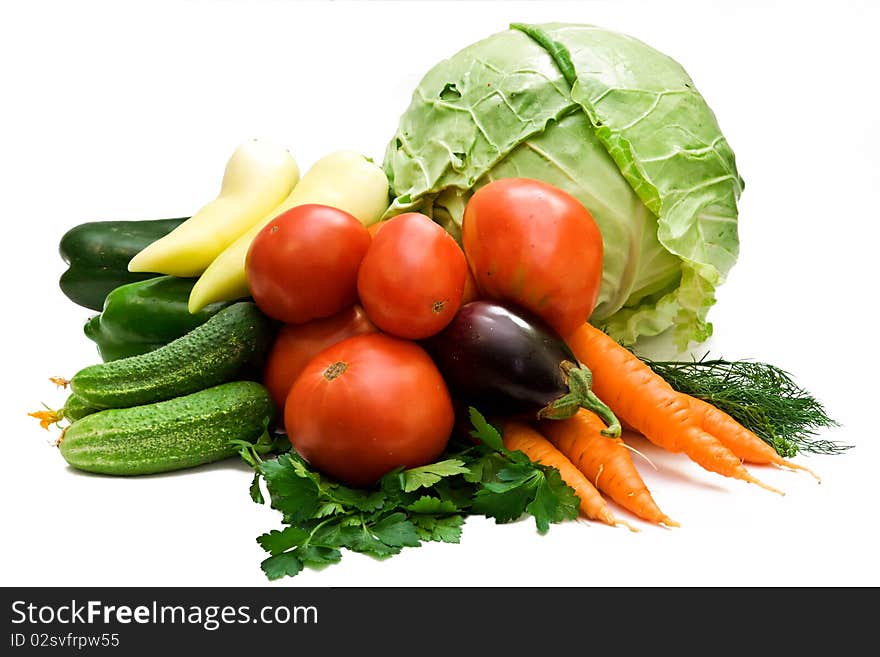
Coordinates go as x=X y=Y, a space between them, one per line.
x=127 y=111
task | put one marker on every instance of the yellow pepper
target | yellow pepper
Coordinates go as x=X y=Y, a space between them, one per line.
x=343 y=179
x=258 y=177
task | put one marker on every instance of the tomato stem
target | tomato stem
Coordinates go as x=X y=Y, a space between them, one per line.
x=336 y=369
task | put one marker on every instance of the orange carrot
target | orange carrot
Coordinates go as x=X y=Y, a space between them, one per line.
x=605 y=461
x=648 y=404
x=519 y=436
x=742 y=442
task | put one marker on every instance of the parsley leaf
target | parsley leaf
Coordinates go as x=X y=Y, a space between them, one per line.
x=445 y=529
x=486 y=467
x=428 y=475
x=554 y=501
x=361 y=537
x=505 y=505
x=293 y=493
x=355 y=499
x=316 y=556
x=286 y=564
x=256 y=493
x=485 y=432
x=525 y=487
x=276 y=542
x=396 y=530
x=428 y=504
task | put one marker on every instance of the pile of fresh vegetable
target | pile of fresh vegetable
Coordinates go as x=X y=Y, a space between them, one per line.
x=395 y=348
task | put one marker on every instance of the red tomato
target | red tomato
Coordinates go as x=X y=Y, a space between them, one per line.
x=303 y=264
x=412 y=279
x=534 y=245
x=367 y=405
x=296 y=344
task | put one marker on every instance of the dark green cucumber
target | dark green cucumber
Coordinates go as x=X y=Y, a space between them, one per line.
x=213 y=353
x=169 y=435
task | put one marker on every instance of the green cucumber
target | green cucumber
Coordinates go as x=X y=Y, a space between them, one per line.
x=169 y=435
x=210 y=354
x=76 y=408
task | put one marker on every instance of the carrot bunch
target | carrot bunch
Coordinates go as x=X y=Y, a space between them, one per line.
x=670 y=419
x=592 y=463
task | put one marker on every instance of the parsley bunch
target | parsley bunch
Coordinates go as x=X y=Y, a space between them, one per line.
x=429 y=503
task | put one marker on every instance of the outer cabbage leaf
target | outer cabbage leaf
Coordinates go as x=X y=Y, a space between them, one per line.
x=468 y=113
x=615 y=123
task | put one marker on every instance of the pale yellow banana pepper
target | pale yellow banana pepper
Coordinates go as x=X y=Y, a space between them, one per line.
x=258 y=176
x=343 y=179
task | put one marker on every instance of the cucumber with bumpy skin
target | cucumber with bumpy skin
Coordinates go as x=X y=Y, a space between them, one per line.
x=76 y=408
x=215 y=352
x=169 y=435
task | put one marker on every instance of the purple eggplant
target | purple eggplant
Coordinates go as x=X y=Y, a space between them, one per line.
x=508 y=362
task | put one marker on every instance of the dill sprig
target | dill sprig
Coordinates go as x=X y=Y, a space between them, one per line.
x=762 y=397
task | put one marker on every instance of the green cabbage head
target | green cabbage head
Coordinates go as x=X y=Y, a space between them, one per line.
x=608 y=119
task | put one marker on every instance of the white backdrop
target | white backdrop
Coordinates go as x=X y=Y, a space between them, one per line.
x=128 y=111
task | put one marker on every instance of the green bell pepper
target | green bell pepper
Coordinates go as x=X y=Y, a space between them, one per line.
x=98 y=253
x=145 y=315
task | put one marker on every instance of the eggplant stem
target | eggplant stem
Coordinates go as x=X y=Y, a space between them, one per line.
x=579 y=378
x=601 y=409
